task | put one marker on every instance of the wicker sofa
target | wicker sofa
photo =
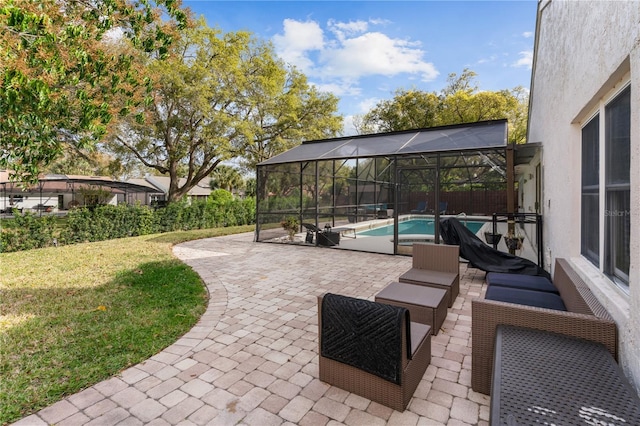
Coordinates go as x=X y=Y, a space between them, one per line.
x=585 y=318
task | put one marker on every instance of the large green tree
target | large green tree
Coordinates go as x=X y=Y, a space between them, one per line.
x=226 y=177
x=91 y=163
x=459 y=102
x=285 y=113
x=409 y=109
x=221 y=96
x=66 y=71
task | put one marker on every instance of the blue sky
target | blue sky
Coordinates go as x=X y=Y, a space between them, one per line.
x=363 y=51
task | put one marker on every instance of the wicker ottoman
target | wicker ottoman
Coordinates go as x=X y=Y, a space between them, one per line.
x=426 y=305
x=448 y=281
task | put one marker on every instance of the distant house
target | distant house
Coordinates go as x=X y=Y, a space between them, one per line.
x=149 y=198
x=56 y=192
x=161 y=185
x=585 y=113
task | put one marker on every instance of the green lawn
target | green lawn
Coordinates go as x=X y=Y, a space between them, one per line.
x=74 y=315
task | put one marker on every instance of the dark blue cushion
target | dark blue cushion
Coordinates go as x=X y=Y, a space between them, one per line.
x=540 y=299
x=525 y=282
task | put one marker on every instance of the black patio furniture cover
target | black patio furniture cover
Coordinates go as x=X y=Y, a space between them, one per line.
x=482 y=256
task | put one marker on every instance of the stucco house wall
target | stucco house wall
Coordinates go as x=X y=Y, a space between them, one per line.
x=586 y=51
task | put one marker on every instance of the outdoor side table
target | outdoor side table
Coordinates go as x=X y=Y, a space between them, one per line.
x=547 y=378
x=436 y=279
x=426 y=305
x=328 y=238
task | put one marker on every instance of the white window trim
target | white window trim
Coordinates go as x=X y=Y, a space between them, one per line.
x=600 y=108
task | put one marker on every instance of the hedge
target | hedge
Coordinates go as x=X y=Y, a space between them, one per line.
x=108 y=222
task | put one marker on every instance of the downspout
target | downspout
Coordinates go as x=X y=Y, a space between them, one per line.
x=333 y=193
x=436 y=219
x=396 y=194
x=357 y=205
x=315 y=193
x=510 y=192
x=256 y=236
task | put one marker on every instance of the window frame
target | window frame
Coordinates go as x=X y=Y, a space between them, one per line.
x=609 y=215
x=590 y=241
x=617 y=211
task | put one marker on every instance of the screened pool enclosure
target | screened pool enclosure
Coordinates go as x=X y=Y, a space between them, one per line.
x=382 y=192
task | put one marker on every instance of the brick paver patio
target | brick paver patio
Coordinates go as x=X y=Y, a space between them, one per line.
x=252 y=358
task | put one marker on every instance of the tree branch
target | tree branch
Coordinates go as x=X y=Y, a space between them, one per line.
x=143 y=160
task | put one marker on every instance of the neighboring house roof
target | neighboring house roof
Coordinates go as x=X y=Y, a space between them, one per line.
x=68 y=183
x=162 y=183
x=144 y=182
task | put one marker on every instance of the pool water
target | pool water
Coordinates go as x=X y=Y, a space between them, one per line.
x=415 y=226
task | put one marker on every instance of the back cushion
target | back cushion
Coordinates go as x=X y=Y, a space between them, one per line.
x=539 y=299
x=525 y=282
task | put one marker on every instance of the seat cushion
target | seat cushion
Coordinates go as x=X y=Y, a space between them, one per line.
x=540 y=299
x=419 y=332
x=524 y=282
x=417 y=275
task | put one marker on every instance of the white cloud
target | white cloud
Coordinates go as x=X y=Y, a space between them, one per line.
x=298 y=39
x=348 y=51
x=349 y=121
x=489 y=59
x=527 y=34
x=526 y=59
x=348 y=126
x=374 y=53
x=379 y=21
x=344 y=29
x=367 y=105
x=339 y=88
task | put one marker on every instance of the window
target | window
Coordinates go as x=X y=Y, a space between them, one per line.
x=590 y=242
x=607 y=231
x=618 y=187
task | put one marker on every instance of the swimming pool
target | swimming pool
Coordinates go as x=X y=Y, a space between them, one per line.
x=415 y=226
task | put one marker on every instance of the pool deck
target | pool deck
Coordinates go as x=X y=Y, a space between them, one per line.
x=252 y=358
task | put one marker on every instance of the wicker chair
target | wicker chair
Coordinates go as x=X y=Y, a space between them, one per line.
x=414 y=354
x=585 y=318
x=435 y=265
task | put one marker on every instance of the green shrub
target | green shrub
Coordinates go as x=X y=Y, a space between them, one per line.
x=105 y=222
x=108 y=222
x=144 y=221
x=289 y=203
x=28 y=232
x=245 y=211
x=169 y=218
x=221 y=196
